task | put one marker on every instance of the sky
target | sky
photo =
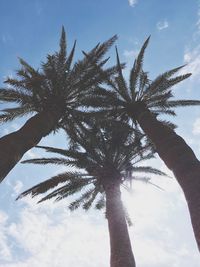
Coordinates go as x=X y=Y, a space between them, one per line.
x=48 y=234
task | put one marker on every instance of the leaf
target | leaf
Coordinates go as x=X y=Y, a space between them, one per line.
x=137 y=67
x=49 y=184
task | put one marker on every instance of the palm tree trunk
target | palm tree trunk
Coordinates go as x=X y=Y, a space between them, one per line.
x=121 y=252
x=179 y=158
x=14 y=145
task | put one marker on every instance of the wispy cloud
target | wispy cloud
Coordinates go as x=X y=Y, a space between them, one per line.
x=196 y=127
x=198 y=20
x=39 y=8
x=130 y=54
x=6 y=37
x=52 y=236
x=5 y=251
x=161 y=25
x=132 y=3
x=192 y=56
x=192 y=59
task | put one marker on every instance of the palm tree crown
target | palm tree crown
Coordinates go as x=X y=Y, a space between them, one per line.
x=104 y=157
x=57 y=86
x=122 y=97
x=105 y=154
x=141 y=101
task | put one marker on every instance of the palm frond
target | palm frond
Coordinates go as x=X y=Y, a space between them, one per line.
x=160 y=82
x=147 y=180
x=27 y=67
x=100 y=204
x=70 y=57
x=84 y=197
x=12 y=113
x=14 y=96
x=137 y=67
x=182 y=103
x=56 y=161
x=69 y=189
x=88 y=203
x=148 y=169
x=63 y=152
x=101 y=49
x=49 y=184
x=63 y=46
x=120 y=80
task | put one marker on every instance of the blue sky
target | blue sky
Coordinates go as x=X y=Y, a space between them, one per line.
x=32 y=235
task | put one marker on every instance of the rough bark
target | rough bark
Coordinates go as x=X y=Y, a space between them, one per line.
x=14 y=145
x=179 y=158
x=120 y=245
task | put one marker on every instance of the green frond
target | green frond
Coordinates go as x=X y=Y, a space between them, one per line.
x=145 y=157
x=143 y=84
x=103 y=48
x=159 y=100
x=178 y=79
x=120 y=80
x=182 y=103
x=88 y=203
x=63 y=46
x=15 y=84
x=137 y=67
x=84 y=197
x=56 y=161
x=60 y=151
x=50 y=184
x=147 y=180
x=148 y=169
x=171 y=72
x=164 y=111
x=75 y=186
x=70 y=58
x=101 y=203
x=161 y=82
x=27 y=68
x=14 y=96
x=167 y=84
x=12 y=113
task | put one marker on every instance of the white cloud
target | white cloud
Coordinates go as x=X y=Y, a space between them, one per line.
x=161 y=25
x=130 y=54
x=5 y=251
x=192 y=59
x=5 y=38
x=198 y=20
x=31 y=155
x=132 y=3
x=49 y=235
x=17 y=187
x=192 y=54
x=9 y=128
x=196 y=127
x=53 y=237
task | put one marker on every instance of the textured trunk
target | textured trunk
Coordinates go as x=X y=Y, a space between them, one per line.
x=178 y=157
x=14 y=145
x=121 y=252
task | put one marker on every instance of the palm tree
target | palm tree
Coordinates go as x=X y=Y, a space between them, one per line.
x=104 y=158
x=52 y=92
x=142 y=100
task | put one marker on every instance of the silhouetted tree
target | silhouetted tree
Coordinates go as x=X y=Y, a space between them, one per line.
x=105 y=158
x=142 y=100
x=52 y=92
